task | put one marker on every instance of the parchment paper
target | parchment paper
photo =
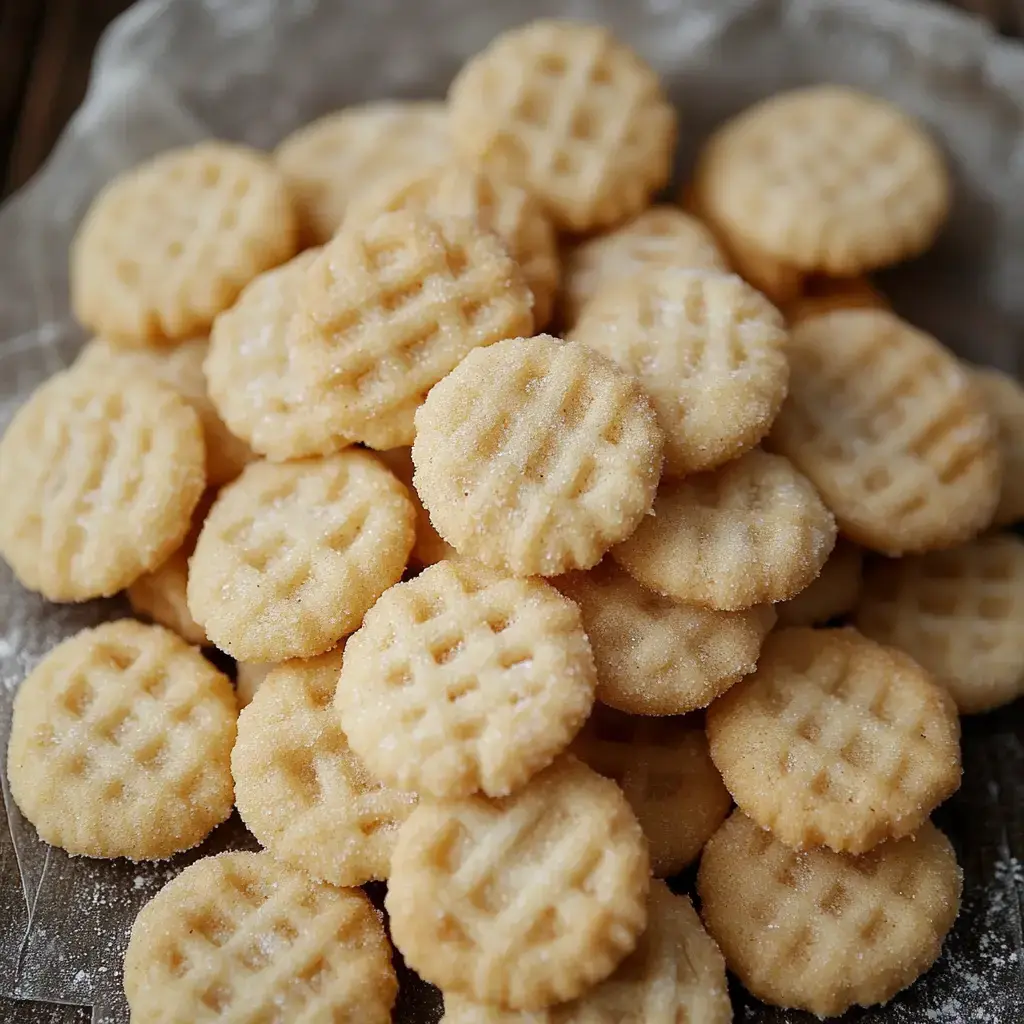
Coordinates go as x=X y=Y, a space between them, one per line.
x=173 y=71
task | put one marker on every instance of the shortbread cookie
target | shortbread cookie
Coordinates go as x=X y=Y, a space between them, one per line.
x=835 y=592
x=249 y=678
x=523 y=901
x=666 y=772
x=1003 y=397
x=821 y=295
x=252 y=375
x=655 y=656
x=181 y=368
x=465 y=679
x=826 y=179
x=292 y=555
x=536 y=455
x=121 y=744
x=430 y=546
x=885 y=423
x=243 y=937
x=661 y=237
x=709 y=350
x=301 y=790
x=389 y=308
x=515 y=215
x=957 y=612
x=331 y=159
x=169 y=244
x=751 y=532
x=570 y=112
x=821 y=931
x=676 y=974
x=100 y=476
x=836 y=741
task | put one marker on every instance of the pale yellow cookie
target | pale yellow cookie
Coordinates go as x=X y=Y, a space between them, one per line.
x=526 y=900
x=836 y=741
x=886 y=424
x=659 y=238
x=242 y=937
x=249 y=678
x=169 y=244
x=655 y=656
x=537 y=455
x=751 y=532
x=666 y=772
x=826 y=179
x=292 y=555
x=390 y=307
x=835 y=592
x=100 y=476
x=824 y=294
x=1003 y=397
x=821 y=931
x=465 y=679
x=496 y=204
x=120 y=744
x=676 y=975
x=430 y=546
x=329 y=160
x=709 y=350
x=572 y=113
x=301 y=790
x=960 y=613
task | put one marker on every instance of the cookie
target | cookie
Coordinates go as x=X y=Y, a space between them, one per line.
x=536 y=455
x=958 y=613
x=659 y=238
x=821 y=295
x=523 y=901
x=241 y=936
x=821 y=931
x=676 y=974
x=1003 y=397
x=885 y=423
x=826 y=179
x=496 y=204
x=249 y=678
x=655 y=656
x=565 y=109
x=120 y=744
x=293 y=554
x=169 y=244
x=465 y=679
x=389 y=308
x=329 y=160
x=664 y=768
x=430 y=546
x=751 y=532
x=301 y=790
x=835 y=592
x=836 y=741
x=709 y=350
x=100 y=477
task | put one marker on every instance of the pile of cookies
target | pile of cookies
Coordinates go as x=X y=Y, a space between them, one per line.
x=481 y=581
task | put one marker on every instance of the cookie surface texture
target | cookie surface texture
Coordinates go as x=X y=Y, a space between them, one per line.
x=1003 y=397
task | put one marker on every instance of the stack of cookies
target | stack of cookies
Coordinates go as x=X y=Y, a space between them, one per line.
x=481 y=581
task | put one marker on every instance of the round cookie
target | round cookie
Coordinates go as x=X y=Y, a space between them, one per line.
x=301 y=790
x=120 y=744
x=664 y=768
x=536 y=455
x=885 y=423
x=958 y=613
x=1003 y=397
x=390 y=307
x=465 y=679
x=826 y=179
x=526 y=900
x=709 y=350
x=836 y=741
x=169 y=244
x=293 y=554
x=821 y=931
x=655 y=656
x=835 y=592
x=100 y=476
x=241 y=936
x=676 y=974
x=751 y=532
x=430 y=546
x=565 y=109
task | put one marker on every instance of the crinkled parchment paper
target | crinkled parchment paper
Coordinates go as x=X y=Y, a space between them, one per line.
x=173 y=71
